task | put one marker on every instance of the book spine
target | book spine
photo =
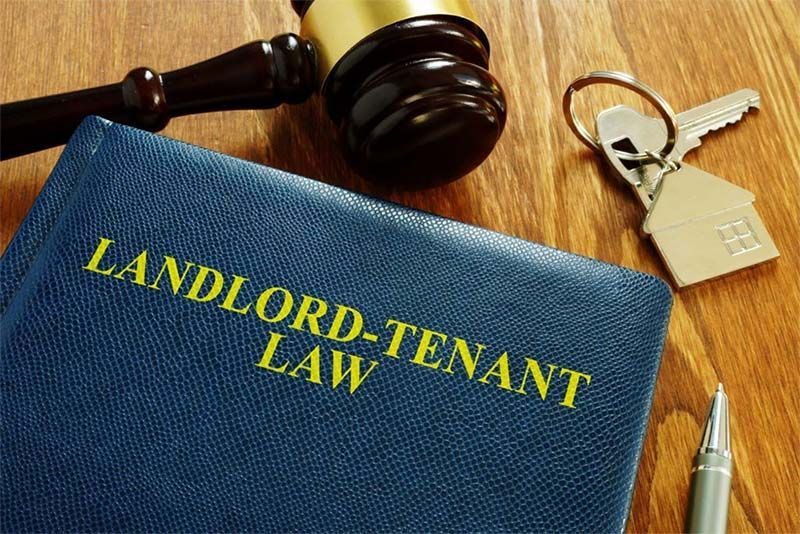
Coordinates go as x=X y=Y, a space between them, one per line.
x=21 y=253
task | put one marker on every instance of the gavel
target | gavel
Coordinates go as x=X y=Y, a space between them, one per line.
x=406 y=83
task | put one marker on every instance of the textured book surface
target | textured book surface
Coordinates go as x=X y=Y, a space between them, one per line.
x=191 y=342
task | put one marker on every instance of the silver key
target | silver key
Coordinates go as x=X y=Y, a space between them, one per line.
x=692 y=124
x=698 y=121
x=624 y=128
x=701 y=225
x=648 y=133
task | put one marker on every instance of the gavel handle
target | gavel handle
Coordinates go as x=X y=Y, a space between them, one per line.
x=258 y=75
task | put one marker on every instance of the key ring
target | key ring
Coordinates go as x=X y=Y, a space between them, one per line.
x=628 y=82
x=665 y=166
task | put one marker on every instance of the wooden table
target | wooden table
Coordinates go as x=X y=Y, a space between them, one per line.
x=539 y=184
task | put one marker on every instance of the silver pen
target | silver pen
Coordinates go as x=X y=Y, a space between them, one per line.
x=710 y=489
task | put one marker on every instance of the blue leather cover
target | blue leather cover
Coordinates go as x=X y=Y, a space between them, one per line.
x=128 y=408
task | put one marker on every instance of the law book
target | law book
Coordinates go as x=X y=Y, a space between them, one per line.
x=191 y=342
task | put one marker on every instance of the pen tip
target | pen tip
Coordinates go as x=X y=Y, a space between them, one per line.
x=716 y=431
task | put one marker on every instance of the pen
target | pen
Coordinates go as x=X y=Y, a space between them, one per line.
x=710 y=488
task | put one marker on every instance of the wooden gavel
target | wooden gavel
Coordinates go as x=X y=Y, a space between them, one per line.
x=405 y=82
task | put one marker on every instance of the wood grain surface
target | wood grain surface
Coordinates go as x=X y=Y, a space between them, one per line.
x=540 y=183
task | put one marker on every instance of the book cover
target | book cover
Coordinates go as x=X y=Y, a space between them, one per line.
x=191 y=342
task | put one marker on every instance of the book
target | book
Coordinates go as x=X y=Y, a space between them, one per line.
x=191 y=342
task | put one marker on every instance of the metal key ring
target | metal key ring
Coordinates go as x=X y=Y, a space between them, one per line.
x=628 y=82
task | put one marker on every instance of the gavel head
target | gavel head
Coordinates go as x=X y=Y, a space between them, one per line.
x=407 y=85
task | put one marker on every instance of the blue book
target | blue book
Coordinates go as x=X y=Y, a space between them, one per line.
x=191 y=342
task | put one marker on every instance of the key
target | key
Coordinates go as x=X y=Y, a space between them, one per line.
x=651 y=133
x=624 y=128
x=702 y=226
x=698 y=121
x=692 y=124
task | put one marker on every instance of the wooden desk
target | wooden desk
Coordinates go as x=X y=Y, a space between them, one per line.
x=540 y=183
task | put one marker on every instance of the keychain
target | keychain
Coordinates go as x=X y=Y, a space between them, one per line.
x=701 y=225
